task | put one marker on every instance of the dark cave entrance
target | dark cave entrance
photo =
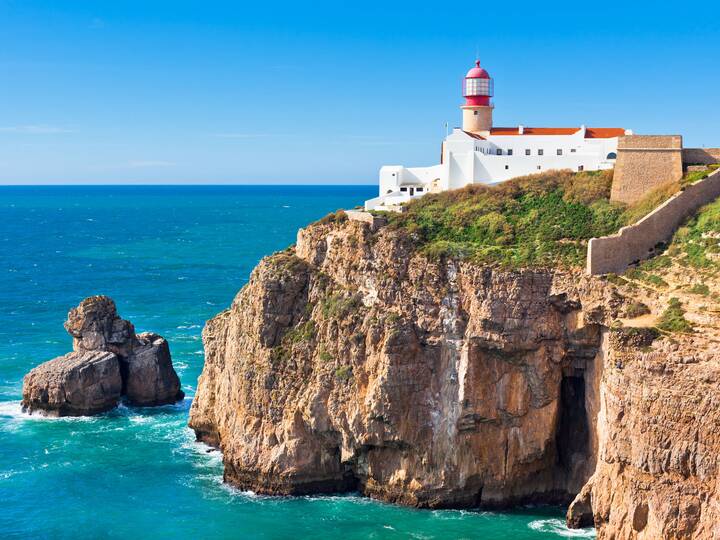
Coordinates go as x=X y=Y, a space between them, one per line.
x=573 y=434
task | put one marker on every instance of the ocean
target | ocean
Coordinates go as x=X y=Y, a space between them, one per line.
x=171 y=257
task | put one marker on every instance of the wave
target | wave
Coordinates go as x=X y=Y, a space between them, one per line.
x=12 y=410
x=558 y=527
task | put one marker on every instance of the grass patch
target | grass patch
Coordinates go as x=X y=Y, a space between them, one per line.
x=528 y=221
x=645 y=277
x=673 y=318
x=699 y=288
x=338 y=306
x=339 y=216
x=301 y=333
x=343 y=373
x=325 y=356
x=693 y=176
x=649 y=202
x=698 y=241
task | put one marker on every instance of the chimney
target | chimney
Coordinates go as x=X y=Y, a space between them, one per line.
x=521 y=130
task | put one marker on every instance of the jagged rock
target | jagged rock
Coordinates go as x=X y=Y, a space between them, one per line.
x=151 y=379
x=136 y=366
x=96 y=326
x=77 y=384
x=580 y=512
x=355 y=362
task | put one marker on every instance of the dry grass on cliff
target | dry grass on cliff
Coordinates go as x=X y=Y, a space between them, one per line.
x=537 y=220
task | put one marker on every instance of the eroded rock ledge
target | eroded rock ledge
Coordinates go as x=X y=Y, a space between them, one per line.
x=352 y=362
x=108 y=361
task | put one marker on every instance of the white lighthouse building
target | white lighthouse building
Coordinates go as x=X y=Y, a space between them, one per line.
x=479 y=153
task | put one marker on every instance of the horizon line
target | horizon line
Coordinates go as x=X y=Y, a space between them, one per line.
x=185 y=184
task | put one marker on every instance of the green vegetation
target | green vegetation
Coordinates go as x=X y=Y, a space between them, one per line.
x=636 y=309
x=528 y=221
x=338 y=306
x=301 y=333
x=649 y=202
x=693 y=176
x=699 y=288
x=673 y=318
x=645 y=277
x=343 y=373
x=325 y=356
x=698 y=241
x=333 y=217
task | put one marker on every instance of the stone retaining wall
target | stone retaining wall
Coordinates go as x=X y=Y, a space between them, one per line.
x=636 y=242
x=375 y=222
x=701 y=156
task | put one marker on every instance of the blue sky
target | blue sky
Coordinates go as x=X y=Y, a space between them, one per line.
x=327 y=92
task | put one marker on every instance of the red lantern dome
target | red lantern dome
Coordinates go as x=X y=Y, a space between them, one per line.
x=477 y=86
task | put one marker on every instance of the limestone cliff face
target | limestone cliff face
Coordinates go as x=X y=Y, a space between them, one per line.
x=657 y=472
x=352 y=362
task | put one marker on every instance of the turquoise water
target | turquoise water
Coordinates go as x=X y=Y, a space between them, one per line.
x=171 y=257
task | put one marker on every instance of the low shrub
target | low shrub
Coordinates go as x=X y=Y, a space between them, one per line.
x=673 y=318
x=636 y=309
x=343 y=373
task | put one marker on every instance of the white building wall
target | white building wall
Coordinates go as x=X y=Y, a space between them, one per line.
x=468 y=159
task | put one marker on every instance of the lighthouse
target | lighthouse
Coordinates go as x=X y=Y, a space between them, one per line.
x=480 y=153
x=477 y=111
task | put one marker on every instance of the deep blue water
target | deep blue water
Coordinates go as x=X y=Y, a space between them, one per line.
x=171 y=257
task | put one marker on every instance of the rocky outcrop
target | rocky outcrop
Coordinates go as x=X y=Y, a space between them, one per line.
x=109 y=361
x=79 y=383
x=657 y=471
x=352 y=361
x=150 y=378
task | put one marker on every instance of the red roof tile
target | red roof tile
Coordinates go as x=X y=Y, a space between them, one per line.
x=590 y=133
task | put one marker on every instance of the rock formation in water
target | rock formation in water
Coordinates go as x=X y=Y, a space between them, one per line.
x=352 y=361
x=109 y=361
x=77 y=384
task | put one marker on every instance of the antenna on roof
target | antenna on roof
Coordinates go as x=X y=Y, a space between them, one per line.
x=446 y=129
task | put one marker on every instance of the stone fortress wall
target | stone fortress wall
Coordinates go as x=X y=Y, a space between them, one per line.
x=645 y=162
x=700 y=156
x=636 y=242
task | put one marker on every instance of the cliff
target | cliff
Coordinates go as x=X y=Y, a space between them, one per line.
x=355 y=360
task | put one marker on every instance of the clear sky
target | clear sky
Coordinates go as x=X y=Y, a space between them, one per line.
x=327 y=92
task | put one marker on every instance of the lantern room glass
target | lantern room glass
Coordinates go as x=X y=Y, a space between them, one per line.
x=477 y=87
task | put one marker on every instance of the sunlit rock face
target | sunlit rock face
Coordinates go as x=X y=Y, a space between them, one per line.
x=109 y=362
x=353 y=362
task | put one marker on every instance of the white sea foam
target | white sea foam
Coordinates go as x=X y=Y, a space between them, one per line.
x=11 y=411
x=558 y=527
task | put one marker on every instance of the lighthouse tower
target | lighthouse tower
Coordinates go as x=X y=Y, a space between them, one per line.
x=477 y=110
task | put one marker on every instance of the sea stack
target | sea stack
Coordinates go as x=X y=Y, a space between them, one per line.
x=108 y=361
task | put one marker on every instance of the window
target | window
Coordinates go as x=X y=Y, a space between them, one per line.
x=559 y=151
x=499 y=152
x=393 y=174
x=612 y=155
x=572 y=150
x=540 y=152
x=509 y=152
x=527 y=152
x=581 y=168
x=507 y=167
x=419 y=190
x=403 y=189
x=475 y=113
x=539 y=167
